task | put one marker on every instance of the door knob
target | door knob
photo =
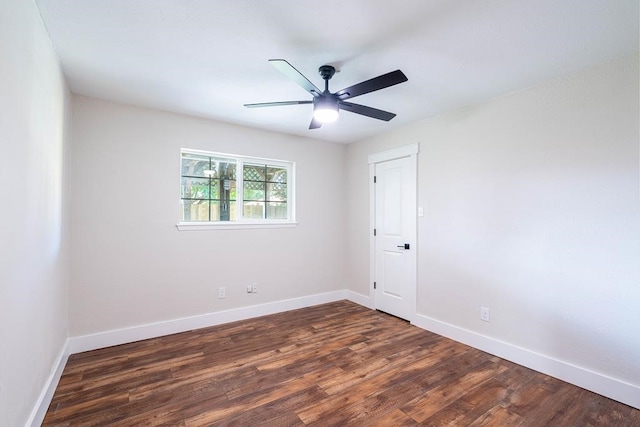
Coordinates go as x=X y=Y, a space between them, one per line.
x=405 y=246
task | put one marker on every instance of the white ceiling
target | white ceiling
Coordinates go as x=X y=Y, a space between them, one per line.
x=209 y=57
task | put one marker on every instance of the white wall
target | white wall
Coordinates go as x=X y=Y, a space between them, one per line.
x=130 y=266
x=531 y=209
x=34 y=122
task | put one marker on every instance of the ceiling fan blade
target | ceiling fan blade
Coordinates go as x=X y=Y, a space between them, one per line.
x=288 y=70
x=367 y=111
x=277 y=104
x=315 y=124
x=376 y=83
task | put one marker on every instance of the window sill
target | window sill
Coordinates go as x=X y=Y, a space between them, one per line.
x=199 y=226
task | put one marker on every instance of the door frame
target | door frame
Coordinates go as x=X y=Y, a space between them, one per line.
x=410 y=151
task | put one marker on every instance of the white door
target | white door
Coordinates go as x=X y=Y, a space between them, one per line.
x=395 y=237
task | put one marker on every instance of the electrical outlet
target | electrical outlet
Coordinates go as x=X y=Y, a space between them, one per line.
x=484 y=314
x=254 y=288
x=222 y=292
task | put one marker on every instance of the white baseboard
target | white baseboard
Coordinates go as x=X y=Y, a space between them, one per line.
x=612 y=388
x=42 y=404
x=153 y=330
x=363 y=300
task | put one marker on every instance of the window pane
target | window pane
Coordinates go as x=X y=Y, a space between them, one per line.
x=253 y=172
x=194 y=165
x=276 y=192
x=223 y=211
x=225 y=168
x=228 y=192
x=194 y=210
x=253 y=190
x=232 y=190
x=227 y=189
x=276 y=210
x=199 y=188
x=277 y=175
x=233 y=214
x=253 y=210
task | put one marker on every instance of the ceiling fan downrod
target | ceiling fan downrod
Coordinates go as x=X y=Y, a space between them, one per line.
x=326 y=72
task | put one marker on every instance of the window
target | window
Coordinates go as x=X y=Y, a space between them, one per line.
x=229 y=190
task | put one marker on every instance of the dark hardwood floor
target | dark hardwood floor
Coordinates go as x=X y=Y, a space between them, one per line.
x=330 y=365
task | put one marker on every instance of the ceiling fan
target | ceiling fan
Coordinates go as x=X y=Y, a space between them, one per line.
x=327 y=104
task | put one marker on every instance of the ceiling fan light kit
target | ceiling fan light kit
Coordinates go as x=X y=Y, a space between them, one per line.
x=325 y=110
x=326 y=104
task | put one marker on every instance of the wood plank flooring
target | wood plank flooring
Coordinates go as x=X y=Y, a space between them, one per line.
x=335 y=364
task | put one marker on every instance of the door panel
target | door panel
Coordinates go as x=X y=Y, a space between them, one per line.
x=395 y=201
x=391 y=201
x=392 y=269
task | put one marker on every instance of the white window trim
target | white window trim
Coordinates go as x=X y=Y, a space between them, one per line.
x=246 y=223
x=195 y=226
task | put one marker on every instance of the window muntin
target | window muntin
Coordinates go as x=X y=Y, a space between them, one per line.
x=222 y=189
